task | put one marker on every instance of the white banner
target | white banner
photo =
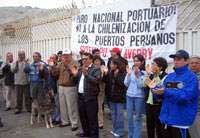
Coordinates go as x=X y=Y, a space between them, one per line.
x=150 y=31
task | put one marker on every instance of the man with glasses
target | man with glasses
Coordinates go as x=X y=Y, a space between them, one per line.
x=88 y=88
x=180 y=98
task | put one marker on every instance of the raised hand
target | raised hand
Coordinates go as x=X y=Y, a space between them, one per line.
x=74 y=70
x=128 y=70
x=104 y=69
x=116 y=72
x=148 y=69
x=85 y=70
x=136 y=71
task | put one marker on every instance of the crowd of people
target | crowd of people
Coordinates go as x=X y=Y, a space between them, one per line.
x=82 y=88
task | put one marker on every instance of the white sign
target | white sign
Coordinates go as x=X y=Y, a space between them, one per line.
x=150 y=31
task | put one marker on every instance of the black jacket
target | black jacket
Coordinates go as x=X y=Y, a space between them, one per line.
x=123 y=61
x=91 y=82
x=116 y=90
x=8 y=74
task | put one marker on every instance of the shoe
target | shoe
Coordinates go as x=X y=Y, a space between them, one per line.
x=117 y=135
x=112 y=132
x=64 y=125
x=74 y=128
x=17 y=112
x=82 y=135
x=1 y=124
x=56 y=122
x=7 y=109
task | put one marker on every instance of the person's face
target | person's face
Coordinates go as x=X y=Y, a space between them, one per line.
x=194 y=65
x=9 y=57
x=113 y=54
x=137 y=62
x=86 y=61
x=53 y=58
x=97 y=63
x=66 y=58
x=113 y=66
x=36 y=57
x=21 y=56
x=97 y=53
x=179 y=62
x=155 y=68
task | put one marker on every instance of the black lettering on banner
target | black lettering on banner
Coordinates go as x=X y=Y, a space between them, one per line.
x=145 y=27
x=82 y=19
x=160 y=24
x=109 y=40
x=82 y=39
x=152 y=40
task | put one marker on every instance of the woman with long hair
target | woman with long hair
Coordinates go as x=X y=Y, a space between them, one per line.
x=134 y=80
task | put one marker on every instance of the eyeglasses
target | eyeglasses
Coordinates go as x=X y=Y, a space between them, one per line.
x=84 y=59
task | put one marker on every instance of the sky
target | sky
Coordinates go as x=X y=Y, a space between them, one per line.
x=47 y=4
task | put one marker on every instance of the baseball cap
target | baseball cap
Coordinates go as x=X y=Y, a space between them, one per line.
x=180 y=54
x=116 y=50
x=67 y=51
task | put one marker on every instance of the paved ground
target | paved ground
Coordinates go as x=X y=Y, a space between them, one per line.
x=18 y=126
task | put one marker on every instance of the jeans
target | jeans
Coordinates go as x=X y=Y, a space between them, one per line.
x=56 y=109
x=134 y=127
x=117 y=112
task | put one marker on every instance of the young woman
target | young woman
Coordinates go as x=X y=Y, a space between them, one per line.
x=154 y=93
x=135 y=95
x=117 y=96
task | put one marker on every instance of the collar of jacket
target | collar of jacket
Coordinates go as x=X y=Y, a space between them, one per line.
x=181 y=70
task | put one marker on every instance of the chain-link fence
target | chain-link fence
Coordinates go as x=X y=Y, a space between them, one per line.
x=50 y=31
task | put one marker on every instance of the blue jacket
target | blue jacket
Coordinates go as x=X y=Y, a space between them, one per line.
x=180 y=103
x=33 y=72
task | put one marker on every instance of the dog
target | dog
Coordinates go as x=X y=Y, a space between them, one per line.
x=43 y=106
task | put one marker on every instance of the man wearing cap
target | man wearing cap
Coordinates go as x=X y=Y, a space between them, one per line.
x=180 y=98
x=194 y=65
x=67 y=90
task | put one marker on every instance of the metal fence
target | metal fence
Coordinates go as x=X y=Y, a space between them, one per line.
x=50 y=31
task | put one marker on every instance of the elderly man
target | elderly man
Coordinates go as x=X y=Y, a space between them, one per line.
x=194 y=64
x=36 y=81
x=10 y=94
x=67 y=90
x=21 y=83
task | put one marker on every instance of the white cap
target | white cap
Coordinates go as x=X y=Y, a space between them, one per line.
x=67 y=51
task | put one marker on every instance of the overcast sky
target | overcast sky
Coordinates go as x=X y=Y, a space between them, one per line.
x=48 y=3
